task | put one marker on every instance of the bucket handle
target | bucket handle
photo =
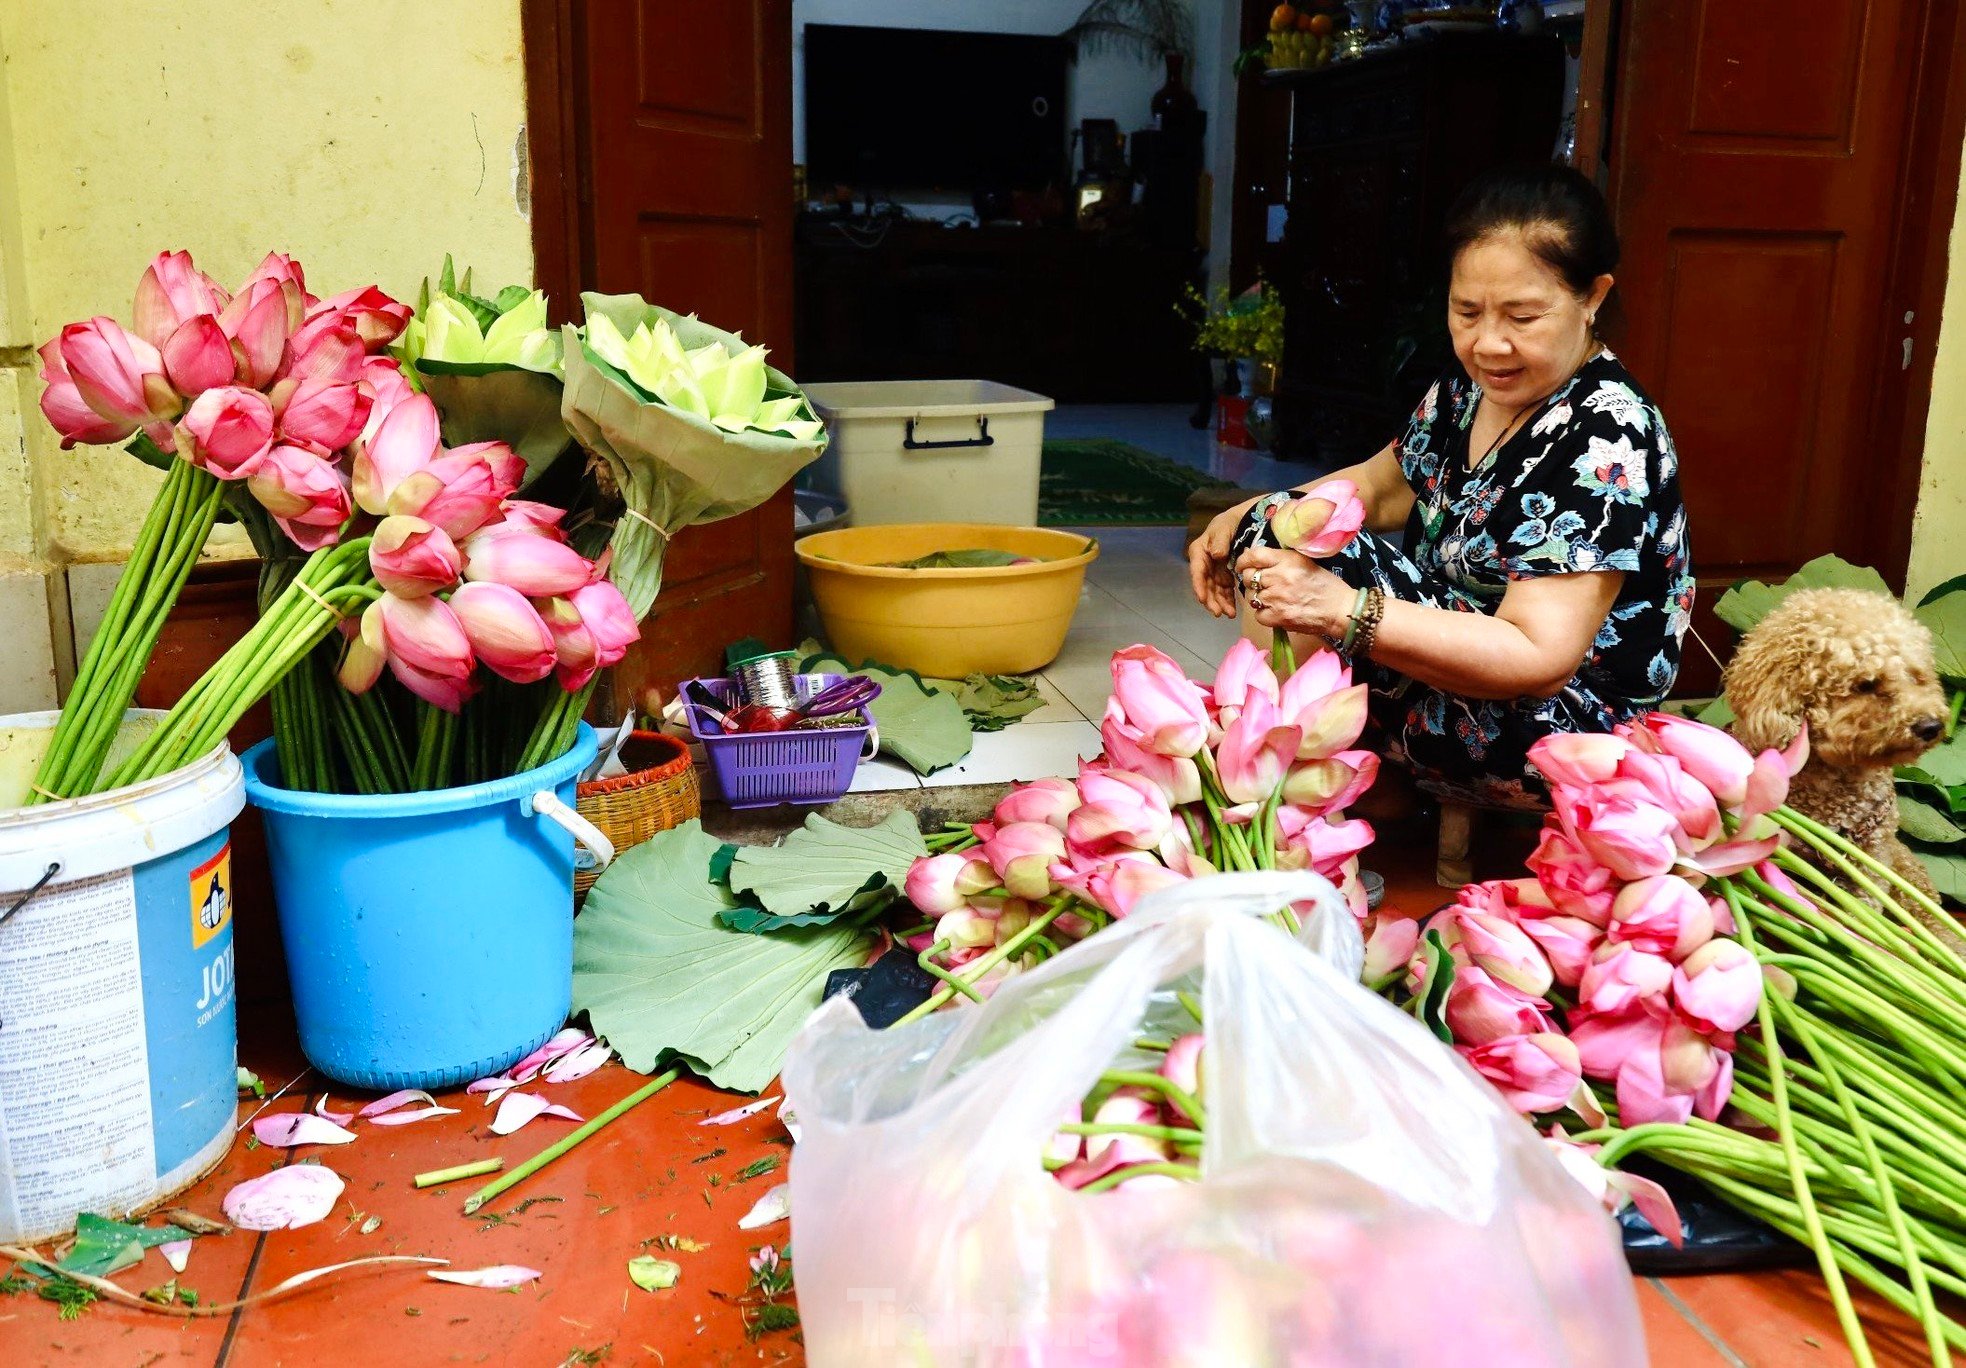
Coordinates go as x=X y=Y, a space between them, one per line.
x=873 y=746
x=598 y=853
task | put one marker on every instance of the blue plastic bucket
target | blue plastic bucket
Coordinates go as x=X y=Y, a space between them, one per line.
x=429 y=936
x=118 y=1044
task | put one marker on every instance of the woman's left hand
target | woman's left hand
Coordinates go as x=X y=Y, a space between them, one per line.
x=1290 y=592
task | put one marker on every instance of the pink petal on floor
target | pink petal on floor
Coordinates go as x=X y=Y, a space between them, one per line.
x=284 y=1130
x=497 y=1276
x=572 y=1038
x=285 y=1199
x=736 y=1114
x=177 y=1253
x=774 y=1206
x=395 y=1100
x=339 y=1118
x=516 y=1110
x=403 y=1118
x=493 y=1088
x=578 y=1063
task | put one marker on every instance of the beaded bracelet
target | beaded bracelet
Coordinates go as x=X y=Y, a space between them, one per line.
x=1352 y=622
x=1368 y=627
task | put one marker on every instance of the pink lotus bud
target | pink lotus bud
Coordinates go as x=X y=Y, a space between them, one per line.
x=1022 y=853
x=1632 y=840
x=66 y=411
x=376 y=318
x=1166 y=707
x=365 y=654
x=227 y=432
x=304 y=492
x=172 y=292
x=1658 y=779
x=1182 y=1066
x=324 y=415
x=1390 y=944
x=1244 y=670
x=1325 y=845
x=1255 y=751
x=460 y=490
x=573 y=645
x=532 y=514
x=966 y=929
x=425 y=634
x=402 y=446
x=1578 y=759
x=1322 y=522
x=1177 y=776
x=609 y=621
x=1708 y=754
x=1480 y=1010
x=1569 y=942
x=1496 y=945
x=198 y=356
x=1331 y=784
x=258 y=322
x=1620 y=977
x=503 y=629
x=1534 y=1073
x=1118 y=887
x=1331 y=723
x=943 y=883
x=1120 y=811
x=1718 y=987
x=537 y=565
x=1015 y=916
x=389 y=387
x=277 y=269
x=1040 y=800
x=116 y=373
x=1576 y=884
x=410 y=558
x=1664 y=915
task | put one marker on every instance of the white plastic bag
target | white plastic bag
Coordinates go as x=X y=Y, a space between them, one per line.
x=1366 y=1199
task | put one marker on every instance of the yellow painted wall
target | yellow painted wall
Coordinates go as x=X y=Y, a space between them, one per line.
x=364 y=137
x=1938 y=531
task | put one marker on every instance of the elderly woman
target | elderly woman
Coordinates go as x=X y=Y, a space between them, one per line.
x=1544 y=585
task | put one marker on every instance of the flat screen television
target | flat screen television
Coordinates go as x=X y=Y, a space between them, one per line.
x=894 y=110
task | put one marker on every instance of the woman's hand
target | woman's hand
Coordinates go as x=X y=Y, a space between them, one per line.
x=1208 y=560
x=1293 y=593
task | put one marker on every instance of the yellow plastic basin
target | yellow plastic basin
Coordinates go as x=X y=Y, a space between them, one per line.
x=948 y=623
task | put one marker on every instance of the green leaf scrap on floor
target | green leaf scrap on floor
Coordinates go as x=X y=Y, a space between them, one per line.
x=72 y=1297
x=991 y=702
x=652 y=1274
x=925 y=729
x=662 y=978
x=757 y=1168
x=822 y=871
x=103 y=1247
x=251 y=1082
x=770 y=1317
x=1750 y=601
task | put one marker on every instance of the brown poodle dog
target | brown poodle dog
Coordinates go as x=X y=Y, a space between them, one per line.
x=1857 y=668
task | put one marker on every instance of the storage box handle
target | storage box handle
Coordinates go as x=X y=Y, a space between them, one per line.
x=982 y=439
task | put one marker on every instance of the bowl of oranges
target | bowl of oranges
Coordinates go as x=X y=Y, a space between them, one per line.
x=1304 y=35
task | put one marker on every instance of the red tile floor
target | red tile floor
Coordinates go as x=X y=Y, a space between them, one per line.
x=658 y=1172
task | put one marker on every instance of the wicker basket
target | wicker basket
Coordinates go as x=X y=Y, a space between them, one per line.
x=659 y=791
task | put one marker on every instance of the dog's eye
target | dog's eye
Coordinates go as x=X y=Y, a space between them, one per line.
x=1866 y=686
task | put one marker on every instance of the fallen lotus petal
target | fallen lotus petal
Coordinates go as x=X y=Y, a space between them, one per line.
x=396 y=1100
x=579 y=1062
x=339 y=1118
x=775 y=1205
x=497 y=1276
x=572 y=1038
x=494 y=1087
x=736 y=1114
x=285 y=1199
x=284 y=1130
x=403 y=1118
x=177 y=1253
x=652 y=1274
x=520 y=1108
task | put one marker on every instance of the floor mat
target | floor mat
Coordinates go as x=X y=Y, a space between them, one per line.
x=1100 y=482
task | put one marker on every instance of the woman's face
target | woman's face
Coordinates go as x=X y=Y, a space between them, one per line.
x=1518 y=327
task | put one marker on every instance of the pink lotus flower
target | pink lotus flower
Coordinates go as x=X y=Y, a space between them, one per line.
x=1118 y=887
x=536 y=564
x=1256 y=750
x=1568 y=942
x=1481 y=1010
x=376 y=318
x=1390 y=944
x=198 y=356
x=1322 y=522
x=1605 y=1040
x=402 y=446
x=1165 y=706
x=1120 y=811
x=1708 y=754
x=966 y=928
x=1717 y=988
x=171 y=293
x=259 y=319
x=1658 y=779
x=1630 y=839
x=117 y=374
x=1022 y=854
x=609 y=621
x=410 y=558
x=305 y=494
x=325 y=350
x=1579 y=759
x=389 y=388
x=1494 y=944
x=427 y=649
x=1244 y=670
x=504 y=631
x=1330 y=724
x=1534 y=1073
x=1683 y=1077
x=574 y=650
x=227 y=432
x=943 y=883
x=1576 y=884
x=1178 y=777
x=464 y=488
x=324 y=415
x=1318 y=843
x=1664 y=915
x=1331 y=784
x=1041 y=800
x=1620 y=977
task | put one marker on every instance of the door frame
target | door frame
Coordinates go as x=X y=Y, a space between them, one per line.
x=562 y=192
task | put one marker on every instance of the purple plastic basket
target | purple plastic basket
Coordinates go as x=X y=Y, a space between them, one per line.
x=764 y=769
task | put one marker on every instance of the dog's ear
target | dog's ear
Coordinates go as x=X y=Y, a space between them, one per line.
x=1763 y=686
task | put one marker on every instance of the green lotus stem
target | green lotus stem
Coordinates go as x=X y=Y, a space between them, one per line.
x=1912 y=1162
x=1120 y=1175
x=435 y=1177
x=1903 y=969
x=1172 y=1091
x=1183 y=1134
x=977 y=968
x=927 y=961
x=1908 y=937
x=1846 y=1314
x=1856 y=865
x=1190 y=1003
x=1148 y=1043
x=560 y=1147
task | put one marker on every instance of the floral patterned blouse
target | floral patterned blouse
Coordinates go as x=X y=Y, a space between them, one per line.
x=1590 y=483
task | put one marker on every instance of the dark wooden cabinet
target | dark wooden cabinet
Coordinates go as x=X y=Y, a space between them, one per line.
x=1379 y=148
x=1083 y=316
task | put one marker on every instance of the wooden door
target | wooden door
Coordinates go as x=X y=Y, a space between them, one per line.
x=1773 y=269
x=662 y=152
